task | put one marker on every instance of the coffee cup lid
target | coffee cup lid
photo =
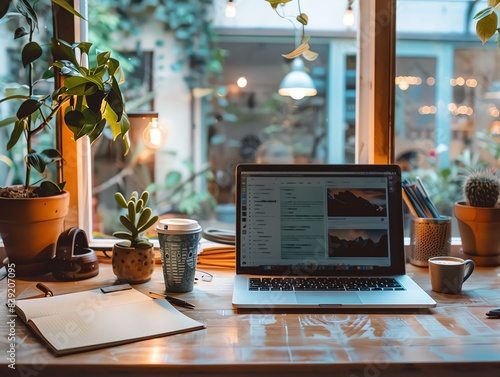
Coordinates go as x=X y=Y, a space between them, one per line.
x=178 y=226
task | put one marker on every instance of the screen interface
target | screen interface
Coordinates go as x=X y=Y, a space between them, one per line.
x=329 y=221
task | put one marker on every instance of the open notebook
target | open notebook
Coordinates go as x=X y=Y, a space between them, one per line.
x=88 y=320
x=321 y=236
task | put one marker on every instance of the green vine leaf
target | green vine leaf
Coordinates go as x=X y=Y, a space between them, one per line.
x=275 y=3
x=303 y=19
x=28 y=107
x=4 y=7
x=486 y=27
x=31 y=52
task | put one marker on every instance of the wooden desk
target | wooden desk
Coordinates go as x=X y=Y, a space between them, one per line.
x=454 y=339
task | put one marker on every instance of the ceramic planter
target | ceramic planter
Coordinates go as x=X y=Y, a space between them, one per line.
x=133 y=265
x=30 y=228
x=480 y=232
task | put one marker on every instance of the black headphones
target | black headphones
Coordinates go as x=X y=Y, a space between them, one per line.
x=74 y=259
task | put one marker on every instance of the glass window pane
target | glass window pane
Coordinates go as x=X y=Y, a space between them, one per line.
x=212 y=121
x=446 y=111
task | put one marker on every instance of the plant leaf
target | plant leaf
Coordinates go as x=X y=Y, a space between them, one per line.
x=64 y=4
x=81 y=86
x=4 y=7
x=62 y=50
x=483 y=13
x=28 y=12
x=310 y=55
x=68 y=68
x=83 y=47
x=7 y=121
x=124 y=235
x=298 y=51
x=172 y=179
x=139 y=206
x=131 y=211
x=145 y=197
x=120 y=200
x=150 y=223
x=487 y=27
x=103 y=58
x=145 y=216
x=19 y=127
x=127 y=224
x=27 y=108
x=37 y=161
x=20 y=32
x=74 y=118
x=303 y=19
x=31 y=52
x=275 y=3
x=52 y=155
x=47 y=188
x=115 y=99
x=97 y=131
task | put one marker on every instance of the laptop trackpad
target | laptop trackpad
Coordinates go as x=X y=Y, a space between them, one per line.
x=328 y=298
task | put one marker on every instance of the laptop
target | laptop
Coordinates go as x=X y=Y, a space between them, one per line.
x=321 y=236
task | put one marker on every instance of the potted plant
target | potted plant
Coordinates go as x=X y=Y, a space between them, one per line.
x=133 y=261
x=479 y=217
x=90 y=100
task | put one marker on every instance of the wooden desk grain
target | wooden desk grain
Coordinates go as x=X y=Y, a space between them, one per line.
x=453 y=339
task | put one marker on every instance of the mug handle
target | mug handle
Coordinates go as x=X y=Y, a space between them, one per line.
x=469 y=265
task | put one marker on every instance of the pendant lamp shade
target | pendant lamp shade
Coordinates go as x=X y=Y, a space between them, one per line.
x=297 y=84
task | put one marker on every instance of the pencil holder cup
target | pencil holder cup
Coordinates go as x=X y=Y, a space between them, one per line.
x=429 y=237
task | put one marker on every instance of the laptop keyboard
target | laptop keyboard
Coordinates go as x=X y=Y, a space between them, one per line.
x=324 y=284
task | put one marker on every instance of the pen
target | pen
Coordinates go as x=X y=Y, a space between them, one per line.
x=43 y=288
x=427 y=199
x=408 y=188
x=174 y=300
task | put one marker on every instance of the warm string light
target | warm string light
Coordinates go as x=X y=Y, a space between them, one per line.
x=348 y=18
x=242 y=82
x=230 y=9
x=404 y=83
x=154 y=135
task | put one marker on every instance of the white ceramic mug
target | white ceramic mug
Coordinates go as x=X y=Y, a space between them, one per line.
x=447 y=274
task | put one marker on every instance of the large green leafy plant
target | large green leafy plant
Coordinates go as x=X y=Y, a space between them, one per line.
x=89 y=99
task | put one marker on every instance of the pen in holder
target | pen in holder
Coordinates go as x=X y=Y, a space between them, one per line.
x=429 y=237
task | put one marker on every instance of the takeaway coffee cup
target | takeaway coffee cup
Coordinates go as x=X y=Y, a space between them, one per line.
x=447 y=274
x=179 y=240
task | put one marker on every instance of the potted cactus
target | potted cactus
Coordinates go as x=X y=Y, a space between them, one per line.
x=479 y=217
x=133 y=260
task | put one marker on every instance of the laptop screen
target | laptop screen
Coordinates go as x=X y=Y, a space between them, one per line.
x=319 y=219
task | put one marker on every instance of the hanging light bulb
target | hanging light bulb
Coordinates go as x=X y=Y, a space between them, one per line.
x=154 y=136
x=297 y=84
x=349 y=15
x=230 y=9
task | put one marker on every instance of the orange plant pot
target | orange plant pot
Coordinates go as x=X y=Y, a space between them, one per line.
x=30 y=228
x=480 y=232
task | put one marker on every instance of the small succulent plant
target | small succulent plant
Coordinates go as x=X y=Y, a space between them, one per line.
x=137 y=219
x=482 y=188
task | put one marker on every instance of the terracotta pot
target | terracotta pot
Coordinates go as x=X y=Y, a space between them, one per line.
x=30 y=228
x=133 y=265
x=480 y=232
